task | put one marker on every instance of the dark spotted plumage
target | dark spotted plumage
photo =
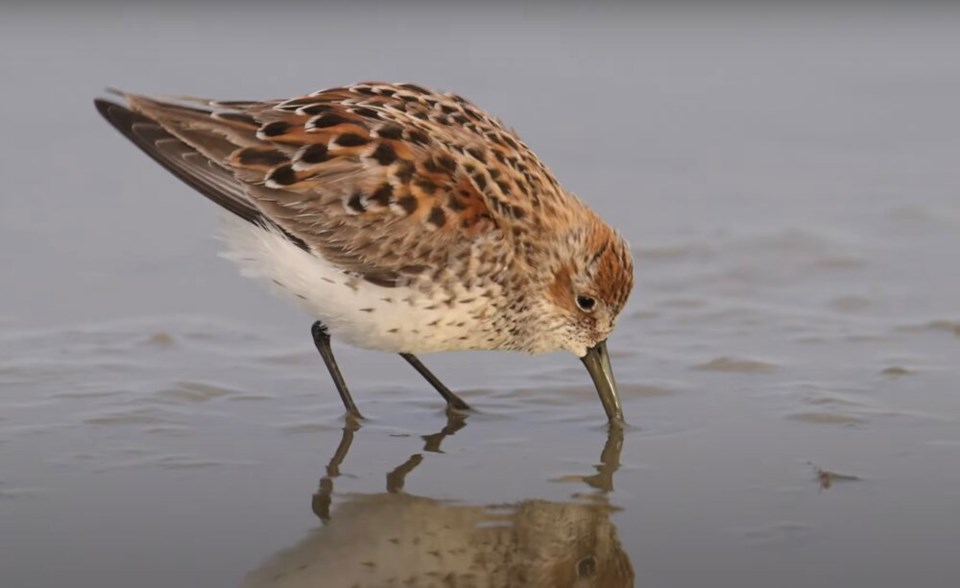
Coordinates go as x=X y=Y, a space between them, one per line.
x=313 y=154
x=396 y=187
x=274 y=129
x=257 y=157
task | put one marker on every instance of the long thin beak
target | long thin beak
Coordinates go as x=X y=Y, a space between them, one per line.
x=597 y=361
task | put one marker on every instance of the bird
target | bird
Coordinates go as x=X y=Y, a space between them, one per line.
x=403 y=220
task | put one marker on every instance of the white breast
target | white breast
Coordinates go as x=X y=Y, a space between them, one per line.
x=397 y=319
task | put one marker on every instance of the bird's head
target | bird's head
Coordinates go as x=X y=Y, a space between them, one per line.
x=590 y=278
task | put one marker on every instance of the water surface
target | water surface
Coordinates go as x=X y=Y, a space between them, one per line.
x=790 y=358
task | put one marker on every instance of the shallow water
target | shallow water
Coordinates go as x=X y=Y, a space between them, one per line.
x=790 y=359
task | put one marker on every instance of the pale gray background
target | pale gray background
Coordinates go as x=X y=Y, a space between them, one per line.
x=789 y=181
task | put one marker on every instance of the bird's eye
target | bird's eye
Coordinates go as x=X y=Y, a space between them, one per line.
x=586 y=303
x=586 y=567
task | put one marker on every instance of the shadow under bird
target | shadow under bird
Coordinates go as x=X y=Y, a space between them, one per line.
x=403 y=220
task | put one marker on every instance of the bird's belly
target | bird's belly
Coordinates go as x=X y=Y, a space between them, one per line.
x=397 y=319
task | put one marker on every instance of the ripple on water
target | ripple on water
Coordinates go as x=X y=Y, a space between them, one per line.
x=850 y=303
x=737 y=365
x=161 y=339
x=943 y=325
x=195 y=392
x=949 y=326
x=684 y=303
x=924 y=218
x=645 y=391
x=289 y=358
x=137 y=416
x=827 y=418
x=538 y=399
x=172 y=462
x=309 y=427
x=832 y=400
x=839 y=262
x=778 y=534
x=20 y=493
x=896 y=371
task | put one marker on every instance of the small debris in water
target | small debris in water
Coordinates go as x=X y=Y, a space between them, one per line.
x=827 y=478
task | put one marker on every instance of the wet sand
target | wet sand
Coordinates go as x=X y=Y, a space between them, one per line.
x=790 y=358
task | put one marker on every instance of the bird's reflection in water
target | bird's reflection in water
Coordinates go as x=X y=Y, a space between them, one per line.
x=395 y=539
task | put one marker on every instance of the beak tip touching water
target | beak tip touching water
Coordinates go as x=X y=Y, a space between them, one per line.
x=597 y=362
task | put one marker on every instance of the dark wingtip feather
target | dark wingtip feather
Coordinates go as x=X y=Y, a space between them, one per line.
x=103 y=107
x=125 y=120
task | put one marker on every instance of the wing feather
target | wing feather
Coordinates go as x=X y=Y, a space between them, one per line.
x=358 y=175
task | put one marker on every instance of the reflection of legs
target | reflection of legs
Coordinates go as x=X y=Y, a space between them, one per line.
x=397 y=478
x=321 y=338
x=323 y=496
x=455 y=422
x=452 y=399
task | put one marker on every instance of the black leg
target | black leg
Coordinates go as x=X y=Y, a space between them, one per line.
x=452 y=399
x=322 y=340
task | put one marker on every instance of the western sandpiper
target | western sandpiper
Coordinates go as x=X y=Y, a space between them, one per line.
x=403 y=220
